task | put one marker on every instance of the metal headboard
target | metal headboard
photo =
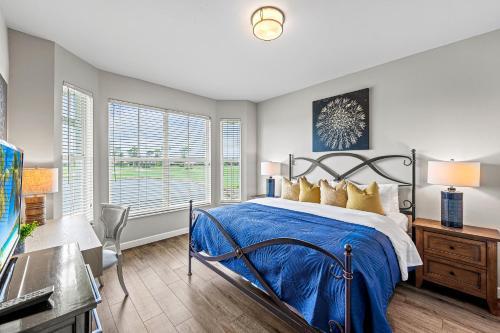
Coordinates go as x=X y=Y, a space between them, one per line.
x=408 y=205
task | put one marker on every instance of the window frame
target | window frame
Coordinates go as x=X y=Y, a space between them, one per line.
x=165 y=158
x=221 y=161
x=88 y=152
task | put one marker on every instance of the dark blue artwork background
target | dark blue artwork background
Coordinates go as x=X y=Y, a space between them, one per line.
x=360 y=96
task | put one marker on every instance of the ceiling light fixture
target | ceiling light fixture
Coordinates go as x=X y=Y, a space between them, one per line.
x=267 y=23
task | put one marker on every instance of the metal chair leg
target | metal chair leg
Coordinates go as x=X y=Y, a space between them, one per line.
x=120 y=275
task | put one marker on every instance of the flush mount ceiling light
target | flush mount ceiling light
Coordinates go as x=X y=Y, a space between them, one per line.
x=267 y=23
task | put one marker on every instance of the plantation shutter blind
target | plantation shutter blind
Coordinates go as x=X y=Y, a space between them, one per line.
x=77 y=152
x=158 y=159
x=231 y=159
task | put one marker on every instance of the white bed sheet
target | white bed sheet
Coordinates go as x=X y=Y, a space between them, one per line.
x=400 y=219
x=406 y=251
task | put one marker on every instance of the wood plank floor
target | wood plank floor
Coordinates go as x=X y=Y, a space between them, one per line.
x=164 y=299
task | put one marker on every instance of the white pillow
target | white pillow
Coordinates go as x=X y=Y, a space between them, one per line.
x=389 y=195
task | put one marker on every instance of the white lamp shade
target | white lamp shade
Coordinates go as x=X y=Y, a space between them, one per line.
x=270 y=168
x=40 y=180
x=451 y=173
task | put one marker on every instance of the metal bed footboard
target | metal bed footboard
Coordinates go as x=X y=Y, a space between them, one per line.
x=272 y=301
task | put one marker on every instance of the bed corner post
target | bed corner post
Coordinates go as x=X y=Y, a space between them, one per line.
x=413 y=169
x=189 y=235
x=290 y=163
x=348 y=281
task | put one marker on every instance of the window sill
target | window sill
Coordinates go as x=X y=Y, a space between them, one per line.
x=230 y=202
x=164 y=212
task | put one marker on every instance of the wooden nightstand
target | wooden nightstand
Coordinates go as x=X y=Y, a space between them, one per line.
x=462 y=259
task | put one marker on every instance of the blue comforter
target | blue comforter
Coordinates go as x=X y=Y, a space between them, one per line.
x=300 y=276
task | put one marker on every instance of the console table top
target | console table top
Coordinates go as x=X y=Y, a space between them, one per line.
x=61 y=266
x=68 y=229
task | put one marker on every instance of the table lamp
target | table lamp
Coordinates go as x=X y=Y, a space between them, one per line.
x=462 y=174
x=270 y=169
x=37 y=182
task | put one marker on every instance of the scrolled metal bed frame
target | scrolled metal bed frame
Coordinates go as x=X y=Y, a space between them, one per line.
x=409 y=205
x=271 y=301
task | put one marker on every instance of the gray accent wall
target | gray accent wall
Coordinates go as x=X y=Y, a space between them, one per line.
x=113 y=86
x=37 y=72
x=69 y=68
x=445 y=103
x=30 y=96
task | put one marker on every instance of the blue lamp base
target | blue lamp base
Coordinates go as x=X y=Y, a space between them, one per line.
x=452 y=209
x=270 y=187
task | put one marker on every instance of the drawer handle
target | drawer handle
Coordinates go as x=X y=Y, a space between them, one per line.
x=452 y=247
x=452 y=273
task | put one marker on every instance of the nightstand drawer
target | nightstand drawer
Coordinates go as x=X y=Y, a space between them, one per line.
x=469 y=279
x=460 y=249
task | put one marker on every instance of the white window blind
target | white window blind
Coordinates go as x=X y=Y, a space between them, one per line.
x=77 y=152
x=230 y=130
x=158 y=159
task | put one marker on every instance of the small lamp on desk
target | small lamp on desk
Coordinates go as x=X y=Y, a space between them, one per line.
x=37 y=182
x=462 y=174
x=270 y=169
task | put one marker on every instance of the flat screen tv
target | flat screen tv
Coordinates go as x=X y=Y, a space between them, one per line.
x=11 y=168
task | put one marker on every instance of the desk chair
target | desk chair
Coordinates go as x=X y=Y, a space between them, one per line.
x=110 y=225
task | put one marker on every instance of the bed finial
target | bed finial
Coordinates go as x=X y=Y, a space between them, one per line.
x=413 y=173
x=190 y=235
x=290 y=165
x=347 y=281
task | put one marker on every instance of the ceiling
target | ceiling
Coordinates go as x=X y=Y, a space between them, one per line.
x=206 y=46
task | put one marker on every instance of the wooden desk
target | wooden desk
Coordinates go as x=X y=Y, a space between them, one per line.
x=66 y=230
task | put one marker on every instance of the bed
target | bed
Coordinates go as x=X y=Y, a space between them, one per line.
x=322 y=268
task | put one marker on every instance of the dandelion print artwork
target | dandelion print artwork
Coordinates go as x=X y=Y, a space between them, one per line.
x=341 y=122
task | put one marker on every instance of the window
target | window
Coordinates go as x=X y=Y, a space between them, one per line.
x=230 y=130
x=77 y=152
x=158 y=159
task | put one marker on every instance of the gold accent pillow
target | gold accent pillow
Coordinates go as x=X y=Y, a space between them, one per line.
x=367 y=200
x=334 y=196
x=309 y=192
x=289 y=190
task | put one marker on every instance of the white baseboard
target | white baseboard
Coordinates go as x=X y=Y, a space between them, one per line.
x=154 y=238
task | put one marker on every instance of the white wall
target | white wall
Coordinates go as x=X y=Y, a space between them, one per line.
x=4 y=50
x=445 y=103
